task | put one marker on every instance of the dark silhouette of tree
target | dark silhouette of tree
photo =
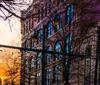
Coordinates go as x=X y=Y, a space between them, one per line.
x=9 y=8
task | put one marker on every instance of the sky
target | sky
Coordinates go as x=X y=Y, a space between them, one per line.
x=7 y=34
x=10 y=32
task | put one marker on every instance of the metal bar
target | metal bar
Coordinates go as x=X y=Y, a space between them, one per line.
x=97 y=55
x=43 y=56
x=40 y=50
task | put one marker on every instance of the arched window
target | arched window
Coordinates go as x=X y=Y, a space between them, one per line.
x=57 y=49
x=68 y=43
x=39 y=56
x=48 y=57
x=32 y=63
x=49 y=29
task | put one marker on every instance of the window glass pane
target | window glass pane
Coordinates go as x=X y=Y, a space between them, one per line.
x=49 y=56
x=39 y=60
x=57 y=49
x=32 y=43
x=40 y=32
x=70 y=13
x=60 y=19
x=49 y=31
x=48 y=76
x=57 y=73
x=38 y=78
x=26 y=66
x=68 y=43
x=32 y=64
x=27 y=43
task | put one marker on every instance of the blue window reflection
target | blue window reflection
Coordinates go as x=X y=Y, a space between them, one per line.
x=68 y=43
x=40 y=32
x=49 y=56
x=49 y=29
x=70 y=13
x=57 y=49
x=39 y=60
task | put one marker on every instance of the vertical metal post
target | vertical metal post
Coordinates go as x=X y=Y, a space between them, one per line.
x=43 y=56
x=68 y=64
x=90 y=72
x=97 y=55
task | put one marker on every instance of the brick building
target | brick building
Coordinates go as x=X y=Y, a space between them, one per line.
x=62 y=34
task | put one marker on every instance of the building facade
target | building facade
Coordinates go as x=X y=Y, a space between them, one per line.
x=58 y=19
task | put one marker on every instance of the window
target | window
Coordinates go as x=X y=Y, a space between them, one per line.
x=39 y=60
x=57 y=49
x=40 y=32
x=49 y=29
x=26 y=66
x=48 y=76
x=27 y=43
x=69 y=13
x=58 y=18
x=68 y=43
x=32 y=43
x=32 y=63
x=38 y=78
x=48 y=57
x=56 y=73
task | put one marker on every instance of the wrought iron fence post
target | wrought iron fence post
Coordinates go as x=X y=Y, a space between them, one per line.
x=97 y=55
x=43 y=56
